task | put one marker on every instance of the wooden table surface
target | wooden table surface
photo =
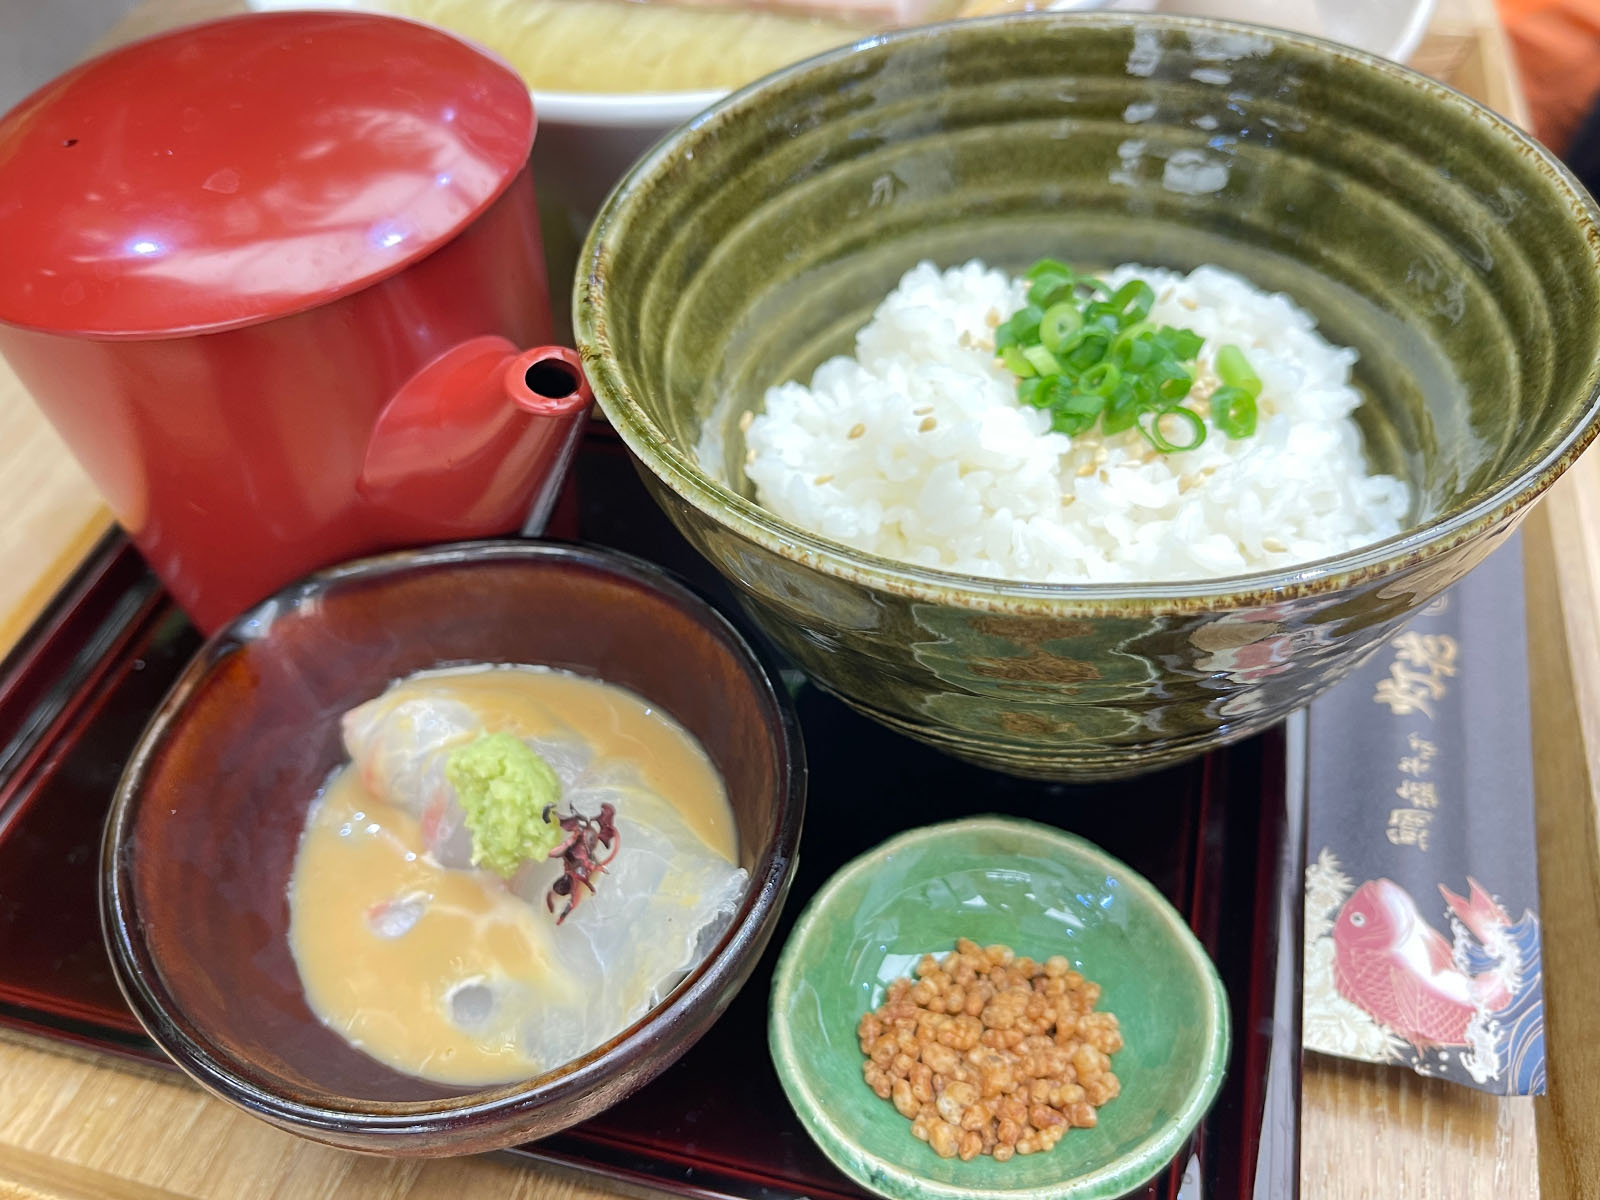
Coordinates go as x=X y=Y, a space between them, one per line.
x=82 y=1128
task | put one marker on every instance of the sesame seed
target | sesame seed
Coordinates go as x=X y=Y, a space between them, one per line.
x=927 y=425
x=857 y=429
x=923 y=411
x=1274 y=545
x=822 y=479
x=992 y=318
x=1086 y=470
x=746 y=421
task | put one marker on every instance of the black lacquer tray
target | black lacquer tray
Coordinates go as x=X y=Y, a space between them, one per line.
x=1219 y=836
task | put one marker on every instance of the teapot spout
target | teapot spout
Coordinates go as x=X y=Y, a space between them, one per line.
x=476 y=443
x=549 y=382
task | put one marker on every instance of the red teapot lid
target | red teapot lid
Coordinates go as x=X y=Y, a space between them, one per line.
x=248 y=168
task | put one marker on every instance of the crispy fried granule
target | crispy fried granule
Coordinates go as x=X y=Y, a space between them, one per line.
x=990 y=1053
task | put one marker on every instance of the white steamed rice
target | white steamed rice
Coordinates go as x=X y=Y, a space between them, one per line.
x=947 y=469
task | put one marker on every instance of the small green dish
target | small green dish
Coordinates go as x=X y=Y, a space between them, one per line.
x=1042 y=892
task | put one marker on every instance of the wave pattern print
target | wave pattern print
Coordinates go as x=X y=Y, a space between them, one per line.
x=1519 y=1051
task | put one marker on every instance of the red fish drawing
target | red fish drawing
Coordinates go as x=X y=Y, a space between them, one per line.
x=1398 y=969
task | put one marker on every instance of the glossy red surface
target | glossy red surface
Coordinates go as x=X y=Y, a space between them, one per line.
x=250 y=270
x=244 y=169
x=240 y=460
x=261 y=437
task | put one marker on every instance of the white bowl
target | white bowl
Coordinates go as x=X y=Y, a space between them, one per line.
x=587 y=140
x=585 y=143
x=1390 y=28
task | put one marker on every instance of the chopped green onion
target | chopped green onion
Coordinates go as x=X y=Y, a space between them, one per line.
x=1141 y=354
x=1171 y=380
x=1089 y=355
x=1060 y=322
x=1235 y=370
x=1102 y=315
x=1089 y=404
x=1184 y=343
x=1069 y=423
x=1234 y=411
x=1042 y=360
x=1051 y=282
x=1021 y=330
x=1085 y=348
x=1101 y=379
x=1131 y=302
x=1157 y=438
x=1134 y=346
x=1048 y=266
x=1123 y=411
x=1016 y=360
x=1051 y=289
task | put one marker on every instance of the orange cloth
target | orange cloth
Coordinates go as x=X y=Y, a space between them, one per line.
x=1557 y=45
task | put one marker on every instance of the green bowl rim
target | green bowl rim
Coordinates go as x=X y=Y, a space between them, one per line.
x=1117 y=1177
x=1328 y=575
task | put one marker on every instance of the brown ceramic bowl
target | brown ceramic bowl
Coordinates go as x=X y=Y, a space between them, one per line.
x=207 y=817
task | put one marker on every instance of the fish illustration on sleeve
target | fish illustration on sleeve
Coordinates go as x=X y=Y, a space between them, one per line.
x=1393 y=965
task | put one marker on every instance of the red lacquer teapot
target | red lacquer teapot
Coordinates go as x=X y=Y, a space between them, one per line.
x=273 y=279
